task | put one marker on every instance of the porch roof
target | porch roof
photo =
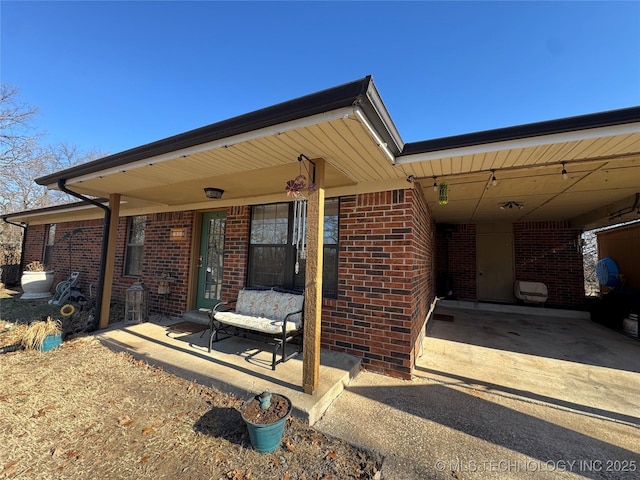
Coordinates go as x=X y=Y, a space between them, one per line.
x=252 y=156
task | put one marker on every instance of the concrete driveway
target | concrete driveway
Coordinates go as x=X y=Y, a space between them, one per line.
x=499 y=394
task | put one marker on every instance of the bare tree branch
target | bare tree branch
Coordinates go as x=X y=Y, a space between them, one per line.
x=24 y=157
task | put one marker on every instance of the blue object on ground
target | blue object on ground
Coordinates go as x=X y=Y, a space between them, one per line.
x=51 y=341
x=607 y=272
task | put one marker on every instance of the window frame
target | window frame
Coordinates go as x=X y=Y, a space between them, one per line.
x=49 y=244
x=329 y=289
x=129 y=246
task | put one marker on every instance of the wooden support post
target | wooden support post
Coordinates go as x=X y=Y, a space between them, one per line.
x=313 y=284
x=107 y=282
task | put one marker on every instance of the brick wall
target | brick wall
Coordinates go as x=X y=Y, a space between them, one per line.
x=456 y=256
x=236 y=251
x=547 y=252
x=385 y=284
x=160 y=255
x=34 y=244
x=381 y=271
x=423 y=281
x=76 y=248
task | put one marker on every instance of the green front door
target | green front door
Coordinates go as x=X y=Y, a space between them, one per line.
x=211 y=261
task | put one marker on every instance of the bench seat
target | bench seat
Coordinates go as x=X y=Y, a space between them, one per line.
x=257 y=324
x=274 y=314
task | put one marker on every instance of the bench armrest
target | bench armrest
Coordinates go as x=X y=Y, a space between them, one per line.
x=220 y=307
x=284 y=323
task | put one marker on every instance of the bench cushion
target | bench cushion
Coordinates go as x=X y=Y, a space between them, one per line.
x=270 y=304
x=259 y=324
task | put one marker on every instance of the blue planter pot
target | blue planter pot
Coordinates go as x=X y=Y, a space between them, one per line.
x=51 y=342
x=266 y=438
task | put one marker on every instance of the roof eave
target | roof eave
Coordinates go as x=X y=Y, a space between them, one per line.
x=551 y=127
x=360 y=93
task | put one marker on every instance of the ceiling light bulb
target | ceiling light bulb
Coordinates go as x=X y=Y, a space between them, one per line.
x=494 y=180
x=435 y=184
x=565 y=176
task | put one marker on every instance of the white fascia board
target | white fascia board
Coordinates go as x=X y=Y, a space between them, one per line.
x=376 y=138
x=589 y=134
x=378 y=105
x=229 y=141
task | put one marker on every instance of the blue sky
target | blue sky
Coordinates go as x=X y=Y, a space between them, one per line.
x=115 y=75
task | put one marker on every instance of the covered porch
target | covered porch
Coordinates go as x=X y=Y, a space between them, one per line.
x=236 y=365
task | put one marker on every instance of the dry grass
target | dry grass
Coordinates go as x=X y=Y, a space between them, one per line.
x=35 y=334
x=82 y=411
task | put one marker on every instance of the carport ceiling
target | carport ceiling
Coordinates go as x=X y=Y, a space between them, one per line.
x=603 y=179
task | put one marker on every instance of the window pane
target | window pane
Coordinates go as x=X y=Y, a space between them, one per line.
x=331 y=213
x=270 y=224
x=136 y=230
x=51 y=236
x=134 y=261
x=329 y=272
x=135 y=242
x=267 y=266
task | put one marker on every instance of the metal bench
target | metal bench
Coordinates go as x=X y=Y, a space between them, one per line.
x=274 y=315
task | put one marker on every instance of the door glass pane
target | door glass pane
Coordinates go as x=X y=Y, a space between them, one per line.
x=214 y=259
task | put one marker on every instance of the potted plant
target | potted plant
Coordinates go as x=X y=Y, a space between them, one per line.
x=44 y=335
x=265 y=416
x=36 y=281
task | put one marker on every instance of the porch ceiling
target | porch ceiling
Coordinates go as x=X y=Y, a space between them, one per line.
x=603 y=171
x=248 y=169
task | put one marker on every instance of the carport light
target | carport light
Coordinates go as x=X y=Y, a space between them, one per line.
x=435 y=184
x=494 y=180
x=565 y=176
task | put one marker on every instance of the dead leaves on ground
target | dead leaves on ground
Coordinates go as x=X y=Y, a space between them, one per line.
x=125 y=421
x=43 y=411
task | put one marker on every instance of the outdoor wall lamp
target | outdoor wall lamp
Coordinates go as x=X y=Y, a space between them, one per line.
x=215 y=193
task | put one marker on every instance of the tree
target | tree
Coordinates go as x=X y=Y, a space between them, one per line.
x=24 y=156
x=590 y=259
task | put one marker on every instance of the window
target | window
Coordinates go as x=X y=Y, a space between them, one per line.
x=48 y=246
x=272 y=255
x=135 y=242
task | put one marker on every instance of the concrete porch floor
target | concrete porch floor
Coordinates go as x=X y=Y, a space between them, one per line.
x=235 y=365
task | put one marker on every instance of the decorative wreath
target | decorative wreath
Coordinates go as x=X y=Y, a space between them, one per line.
x=67 y=310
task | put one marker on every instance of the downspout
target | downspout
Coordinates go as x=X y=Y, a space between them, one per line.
x=24 y=239
x=103 y=255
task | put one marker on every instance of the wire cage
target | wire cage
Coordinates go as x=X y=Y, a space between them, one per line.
x=136 y=308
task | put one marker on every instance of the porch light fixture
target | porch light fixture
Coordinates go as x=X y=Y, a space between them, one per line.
x=565 y=176
x=443 y=194
x=494 y=180
x=214 y=193
x=435 y=184
x=511 y=205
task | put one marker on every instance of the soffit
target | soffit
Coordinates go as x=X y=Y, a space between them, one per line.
x=602 y=171
x=256 y=167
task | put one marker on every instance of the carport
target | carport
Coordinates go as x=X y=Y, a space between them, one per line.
x=497 y=197
x=546 y=356
x=503 y=392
